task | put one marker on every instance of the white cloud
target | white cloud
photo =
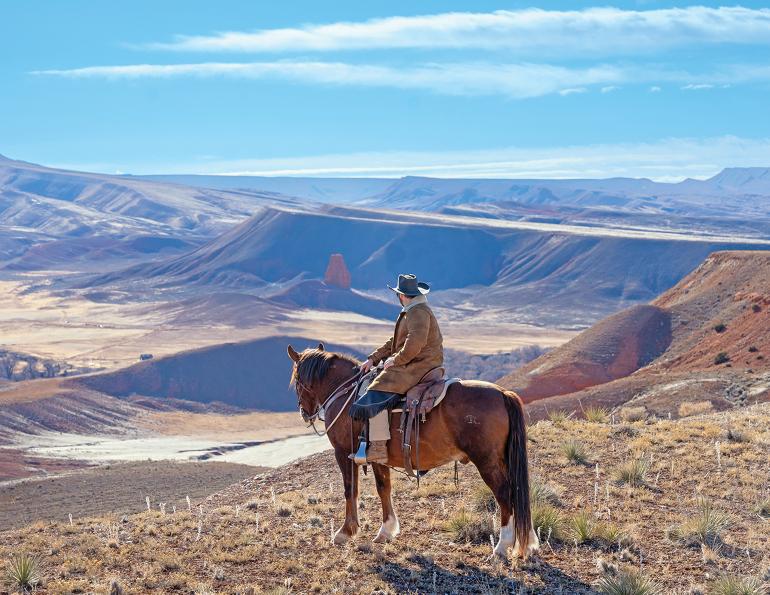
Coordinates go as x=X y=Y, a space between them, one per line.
x=609 y=89
x=655 y=89
x=513 y=80
x=461 y=78
x=669 y=159
x=592 y=31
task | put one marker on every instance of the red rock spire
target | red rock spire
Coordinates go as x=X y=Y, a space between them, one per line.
x=337 y=273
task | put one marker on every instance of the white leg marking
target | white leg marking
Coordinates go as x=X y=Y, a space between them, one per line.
x=506 y=539
x=389 y=530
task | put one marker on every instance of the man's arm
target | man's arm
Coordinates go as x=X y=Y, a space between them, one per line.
x=417 y=327
x=380 y=354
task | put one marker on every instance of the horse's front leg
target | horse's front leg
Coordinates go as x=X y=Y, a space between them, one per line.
x=390 y=527
x=350 y=480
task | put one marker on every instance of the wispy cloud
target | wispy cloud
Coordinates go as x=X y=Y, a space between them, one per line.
x=513 y=80
x=592 y=31
x=669 y=159
x=697 y=87
x=465 y=78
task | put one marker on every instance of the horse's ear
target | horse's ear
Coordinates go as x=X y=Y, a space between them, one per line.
x=320 y=347
x=292 y=353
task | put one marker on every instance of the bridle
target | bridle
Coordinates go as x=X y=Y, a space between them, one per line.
x=353 y=382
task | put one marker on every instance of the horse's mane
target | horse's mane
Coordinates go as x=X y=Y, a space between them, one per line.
x=314 y=364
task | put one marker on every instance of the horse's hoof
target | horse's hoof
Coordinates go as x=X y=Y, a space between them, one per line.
x=341 y=538
x=384 y=537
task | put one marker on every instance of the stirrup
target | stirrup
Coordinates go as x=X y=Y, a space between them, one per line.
x=359 y=457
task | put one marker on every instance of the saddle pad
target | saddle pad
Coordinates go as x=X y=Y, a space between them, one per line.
x=438 y=399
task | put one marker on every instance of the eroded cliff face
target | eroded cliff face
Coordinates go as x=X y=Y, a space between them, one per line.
x=22 y=366
x=337 y=273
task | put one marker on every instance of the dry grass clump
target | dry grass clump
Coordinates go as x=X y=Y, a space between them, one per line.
x=576 y=452
x=559 y=416
x=482 y=499
x=737 y=585
x=470 y=528
x=627 y=582
x=763 y=507
x=735 y=435
x=687 y=409
x=706 y=527
x=599 y=415
x=541 y=492
x=632 y=414
x=633 y=472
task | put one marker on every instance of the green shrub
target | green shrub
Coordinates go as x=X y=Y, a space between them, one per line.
x=721 y=358
x=720 y=327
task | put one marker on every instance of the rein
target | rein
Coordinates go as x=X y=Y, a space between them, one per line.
x=335 y=394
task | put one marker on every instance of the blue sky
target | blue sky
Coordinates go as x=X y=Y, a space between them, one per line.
x=386 y=88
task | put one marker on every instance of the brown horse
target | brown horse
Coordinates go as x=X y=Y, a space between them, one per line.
x=477 y=421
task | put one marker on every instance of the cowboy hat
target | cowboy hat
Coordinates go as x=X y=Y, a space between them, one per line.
x=409 y=286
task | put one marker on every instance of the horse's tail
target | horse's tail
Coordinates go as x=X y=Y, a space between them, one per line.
x=518 y=469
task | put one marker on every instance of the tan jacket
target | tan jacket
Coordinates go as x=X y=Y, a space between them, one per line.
x=416 y=347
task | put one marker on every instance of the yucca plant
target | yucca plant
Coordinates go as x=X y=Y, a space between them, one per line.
x=576 y=452
x=582 y=527
x=541 y=493
x=611 y=534
x=627 y=582
x=599 y=415
x=548 y=523
x=467 y=527
x=23 y=572
x=483 y=499
x=558 y=416
x=633 y=472
x=706 y=527
x=736 y=585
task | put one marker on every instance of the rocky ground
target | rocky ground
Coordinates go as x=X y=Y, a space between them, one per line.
x=684 y=503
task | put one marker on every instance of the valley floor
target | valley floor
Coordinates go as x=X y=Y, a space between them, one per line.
x=699 y=512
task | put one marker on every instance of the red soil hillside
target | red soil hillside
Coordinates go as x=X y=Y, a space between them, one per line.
x=613 y=348
x=707 y=338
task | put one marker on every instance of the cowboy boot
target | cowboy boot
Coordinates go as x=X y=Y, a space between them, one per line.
x=377 y=451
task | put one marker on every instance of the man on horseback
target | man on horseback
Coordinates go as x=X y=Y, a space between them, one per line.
x=414 y=350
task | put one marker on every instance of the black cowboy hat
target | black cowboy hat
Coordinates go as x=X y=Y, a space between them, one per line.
x=410 y=287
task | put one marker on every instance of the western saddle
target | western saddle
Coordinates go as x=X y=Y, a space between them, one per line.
x=414 y=408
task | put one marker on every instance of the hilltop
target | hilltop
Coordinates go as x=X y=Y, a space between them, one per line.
x=697 y=513
x=707 y=337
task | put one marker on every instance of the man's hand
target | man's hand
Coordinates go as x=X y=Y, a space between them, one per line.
x=366 y=366
x=388 y=363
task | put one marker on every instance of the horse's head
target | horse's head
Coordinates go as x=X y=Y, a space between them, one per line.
x=315 y=374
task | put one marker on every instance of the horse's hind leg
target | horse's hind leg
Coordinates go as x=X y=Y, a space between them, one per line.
x=350 y=479
x=494 y=475
x=390 y=527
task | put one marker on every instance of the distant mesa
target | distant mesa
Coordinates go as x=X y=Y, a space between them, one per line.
x=337 y=273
